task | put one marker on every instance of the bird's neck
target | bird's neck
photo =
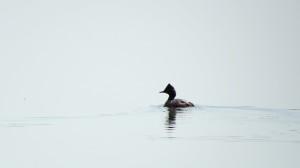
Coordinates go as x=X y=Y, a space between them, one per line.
x=172 y=96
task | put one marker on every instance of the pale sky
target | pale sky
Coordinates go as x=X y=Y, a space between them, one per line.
x=84 y=55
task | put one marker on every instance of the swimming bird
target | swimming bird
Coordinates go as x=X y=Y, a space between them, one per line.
x=172 y=102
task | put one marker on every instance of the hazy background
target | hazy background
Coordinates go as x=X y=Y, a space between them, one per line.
x=87 y=56
x=79 y=83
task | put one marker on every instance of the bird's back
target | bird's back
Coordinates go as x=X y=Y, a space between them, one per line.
x=178 y=103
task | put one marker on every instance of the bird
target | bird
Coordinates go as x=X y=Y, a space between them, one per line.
x=171 y=101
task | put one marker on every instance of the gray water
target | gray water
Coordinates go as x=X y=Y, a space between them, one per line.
x=154 y=136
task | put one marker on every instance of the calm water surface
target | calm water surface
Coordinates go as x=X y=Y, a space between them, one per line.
x=154 y=136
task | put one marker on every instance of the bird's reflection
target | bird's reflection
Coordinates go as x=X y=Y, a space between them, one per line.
x=170 y=124
x=171 y=119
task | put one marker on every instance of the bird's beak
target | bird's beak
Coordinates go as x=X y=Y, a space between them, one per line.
x=161 y=92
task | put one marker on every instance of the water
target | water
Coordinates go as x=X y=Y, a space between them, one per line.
x=154 y=136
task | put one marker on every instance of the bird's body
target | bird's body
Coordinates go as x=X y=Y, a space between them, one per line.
x=178 y=103
x=172 y=102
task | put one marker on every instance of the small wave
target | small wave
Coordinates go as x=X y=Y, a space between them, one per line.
x=234 y=139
